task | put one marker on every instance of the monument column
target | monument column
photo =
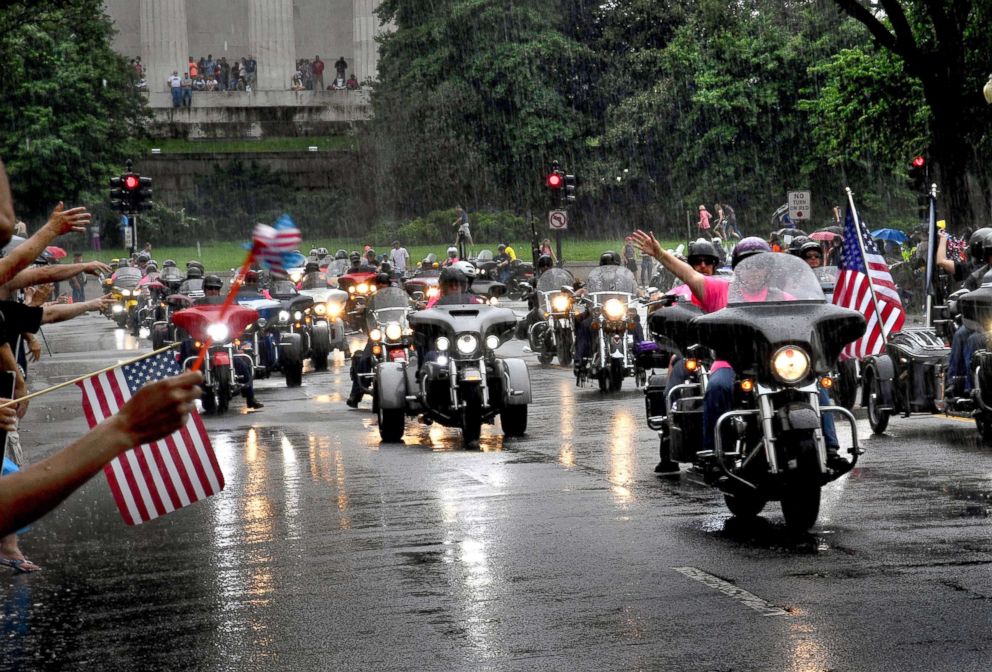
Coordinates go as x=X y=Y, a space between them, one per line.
x=365 y=58
x=272 y=40
x=164 y=40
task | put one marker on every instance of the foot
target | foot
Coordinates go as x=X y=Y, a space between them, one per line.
x=352 y=402
x=20 y=565
x=837 y=463
x=254 y=403
x=668 y=468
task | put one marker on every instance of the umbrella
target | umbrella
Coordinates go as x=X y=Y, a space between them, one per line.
x=894 y=235
x=14 y=242
x=824 y=235
x=56 y=252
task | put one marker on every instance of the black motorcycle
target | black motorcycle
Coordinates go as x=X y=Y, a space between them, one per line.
x=782 y=338
x=553 y=335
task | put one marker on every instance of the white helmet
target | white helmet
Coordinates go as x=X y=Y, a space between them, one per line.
x=468 y=269
x=452 y=251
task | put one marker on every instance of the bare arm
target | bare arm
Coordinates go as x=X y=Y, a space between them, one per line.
x=61 y=221
x=647 y=244
x=943 y=262
x=7 y=220
x=9 y=363
x=66 y=311
x=44 y=274
x=155 y=411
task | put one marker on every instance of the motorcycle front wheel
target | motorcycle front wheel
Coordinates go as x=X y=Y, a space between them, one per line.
x=616 y=375
x=872 y=393
x=745 y=505
x=472 y=416
x=801 y=507
x=565 y=347
x=224 y=393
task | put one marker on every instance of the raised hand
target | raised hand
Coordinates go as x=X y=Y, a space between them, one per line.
x=646 y=243
x=68 y=221
x=98 y=267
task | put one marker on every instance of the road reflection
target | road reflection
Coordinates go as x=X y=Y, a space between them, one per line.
x=566 y=399
x=622 y=463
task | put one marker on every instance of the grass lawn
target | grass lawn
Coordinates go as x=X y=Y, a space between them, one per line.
x=225 y=256
x=302 y=144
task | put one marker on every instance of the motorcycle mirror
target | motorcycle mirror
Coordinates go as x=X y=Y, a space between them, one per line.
x=417 y=296
x=568 y=290
x=653 y=290
x=525 y=285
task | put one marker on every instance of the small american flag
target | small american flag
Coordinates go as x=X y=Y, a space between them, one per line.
x=852 y=291
x=152 y=479
x=275 y=246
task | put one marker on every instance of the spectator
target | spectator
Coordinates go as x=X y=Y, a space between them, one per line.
x=647 y=268
x=547 y=251
x=187 y=85
x=704 y=222
x=138 y=68
x=352 y=83
x=208 y=66
x=297 y=82
x=224 y=81
x=211 y=83
x=250 y=67
x=192 y=68
x=236 y=83
x=318 y=73
x=175 y=83
x=399 y=258
x=199 y=84
x=628 y=257
x=95 y=236
x=341 y=67
x=78 y=281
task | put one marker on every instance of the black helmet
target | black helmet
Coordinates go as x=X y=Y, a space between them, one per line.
x=311 y=267
x=796 y=246
x=383 y=279
x=340 y=254
x=354 y=257
x=193 y=262
x=386 y=267
x=748 y=247
x=169 y=263
x=703 y=249
x=451 y=275
x=980 y=244
x=212 y=282
x=545 y=261
x=609 y=258
x=194 y=272
x=151 y=266
x=810 y=246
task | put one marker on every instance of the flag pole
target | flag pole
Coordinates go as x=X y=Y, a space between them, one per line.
x=232 y=293
x=67 y=383
x=931 y=287
x=864 y=256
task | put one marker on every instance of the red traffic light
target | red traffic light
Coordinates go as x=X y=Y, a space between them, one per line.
x=554 y=180
x=131 y=182
x=919 y=162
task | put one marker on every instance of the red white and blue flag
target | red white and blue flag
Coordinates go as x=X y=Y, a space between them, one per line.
x=276 y=246
x=153 y=479
x=882 y=309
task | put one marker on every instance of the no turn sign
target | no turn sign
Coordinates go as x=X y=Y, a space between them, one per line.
x=558 y=220
x=799 y=202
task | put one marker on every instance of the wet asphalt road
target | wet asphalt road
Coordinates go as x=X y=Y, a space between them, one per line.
x=557 y=551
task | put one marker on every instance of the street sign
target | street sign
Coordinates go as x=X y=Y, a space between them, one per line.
x=128 y=237
x=558 y=220
x=799 y=203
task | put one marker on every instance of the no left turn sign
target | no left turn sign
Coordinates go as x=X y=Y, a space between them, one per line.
x=558 y=220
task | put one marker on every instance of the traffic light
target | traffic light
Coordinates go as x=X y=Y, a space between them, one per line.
x=119 y=199
x=554 y=180
x=917 y=183
x=569 y=190
x=142 y=195
x=130 y=193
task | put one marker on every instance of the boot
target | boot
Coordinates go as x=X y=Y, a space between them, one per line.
x=252 y=402
x=667 y=467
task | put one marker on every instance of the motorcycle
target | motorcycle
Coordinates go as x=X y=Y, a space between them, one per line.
x=293 y=326
x=220 y=382
x=327 y=328
x=611 y=292
x=124 y=289
x=388 y=328
x=521 y=276
x=770 y=445
x=457 y=380
x=554 y=336
x=360 y=285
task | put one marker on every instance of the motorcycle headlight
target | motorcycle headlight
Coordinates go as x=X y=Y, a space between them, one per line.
x=467 y=344
x=394 y=331
x=375 y=335
x=362 y=288
x=125 y=292
x=790 y=364
x=443 y=343
x=492 y=341
x=284 y=316
x=615 y=309
x=118 y=308
x=298 y=315
x=334 y=309
x=560 y=303
x=351 y=290
x=320 y=309
x=432 y=292
x=262 y=322
x=295 y=276
x=218 y=332
x=493 y=301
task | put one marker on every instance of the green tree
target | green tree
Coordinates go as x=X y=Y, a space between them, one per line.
x=67 y=104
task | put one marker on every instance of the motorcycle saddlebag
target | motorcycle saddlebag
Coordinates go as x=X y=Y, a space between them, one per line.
x=654 y=399
x=687 y=428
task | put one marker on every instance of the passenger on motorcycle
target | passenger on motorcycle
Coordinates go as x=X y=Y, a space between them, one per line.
x=965 y=341
x=713 y=296
x=312 y=278
x=808 y=250
x=452 y=257
x=212 y=285
x=371 y=262
x=143 y=260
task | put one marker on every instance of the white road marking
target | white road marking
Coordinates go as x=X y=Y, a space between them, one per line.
x=749 y=600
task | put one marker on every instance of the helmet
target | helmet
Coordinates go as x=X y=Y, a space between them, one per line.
x=340 y=254
x=748 y=247
x=169 y=263
x=144 y=257
x=452 y=252
x=311 y=267
x=451 y=275
x=386 y=267
x=312 y=252
x=151 y=266
x=501 y=247
x=354 y=257
x=545 y=261
x=370 y=253
x=383 y=279
x=194 y=272
x=322 y=252
x=123 y=263
x=704 y=249
x=796 y=245
x=212 y=282
x=609 y=258
x=980 y=244
x=194 y=262
x=809 y=246
x=251 y=277
x=467 y=269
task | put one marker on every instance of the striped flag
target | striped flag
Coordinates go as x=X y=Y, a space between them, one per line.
x=276 y=246
x=853 y=290
x=158 y=478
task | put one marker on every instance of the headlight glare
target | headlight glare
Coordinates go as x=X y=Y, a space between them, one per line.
x=218 y=332
x=615 y=309
x=560 y=303
x=492 y=341
x=320 y=308
x=394 y=331
x=790 y=364
x=467 y=344
x=363 y=288
x=443 y=343
x=375 y=334
x=284 y=316
x=298 y=315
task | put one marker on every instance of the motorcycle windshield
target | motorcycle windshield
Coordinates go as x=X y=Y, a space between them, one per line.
x=775 y=300
x=171 y=275
x=390 y=304
x=283 y=288
x=127 y=278
x=485 y=255
x=338 y=267
x=549 y=287
x=606 y=282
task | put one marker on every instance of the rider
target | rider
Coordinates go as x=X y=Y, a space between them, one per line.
x=810 y=252
x=194 y=270
x=713 y=294
x=504 y=256
x=583 y=328
x=452 y=256
x=212 y=285
x=535 y=315
x=965 y=341
x=312 y=277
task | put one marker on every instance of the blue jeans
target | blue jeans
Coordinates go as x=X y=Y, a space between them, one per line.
x=719 y=399
x=963 y=345
x=177 y=96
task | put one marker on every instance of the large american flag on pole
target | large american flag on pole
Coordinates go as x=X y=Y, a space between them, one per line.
x=154 y=479
x=882 y=308
x=275 y=246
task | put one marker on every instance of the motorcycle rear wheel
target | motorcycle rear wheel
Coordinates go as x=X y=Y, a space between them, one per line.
x=872 y=394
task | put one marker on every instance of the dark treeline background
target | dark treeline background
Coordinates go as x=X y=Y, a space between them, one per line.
x=655 y=106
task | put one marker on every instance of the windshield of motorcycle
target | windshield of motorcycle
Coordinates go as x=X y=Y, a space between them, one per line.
x=283 y=288
x=171 y=274
x=772 y=278
x=127 y=278
x=485 y=255
x=338 y=267
x=390 y=304
x=605 y=282
x=549 y=288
